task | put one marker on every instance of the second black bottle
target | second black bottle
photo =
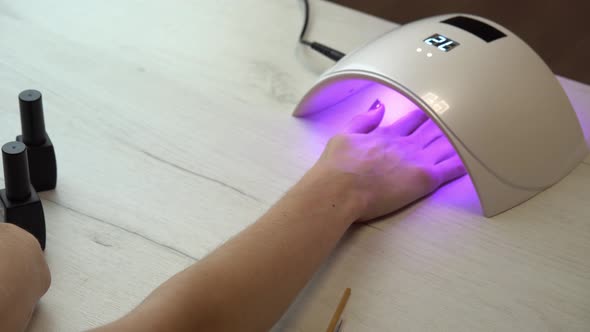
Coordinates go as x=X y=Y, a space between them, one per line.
x=40 y=150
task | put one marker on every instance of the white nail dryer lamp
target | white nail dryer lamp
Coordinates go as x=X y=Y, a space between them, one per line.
x=492 y=96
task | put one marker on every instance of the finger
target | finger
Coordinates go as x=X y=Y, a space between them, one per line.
x=406 y=125
x=366 y=122
x=449 y=170
x=439 y=150
x=427 y=133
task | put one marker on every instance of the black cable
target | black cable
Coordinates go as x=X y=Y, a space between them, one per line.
x=318 y=47
x=305 y=23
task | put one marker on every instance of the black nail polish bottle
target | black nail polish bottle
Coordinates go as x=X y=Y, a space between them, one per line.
x=42 y=161
x=19 y=203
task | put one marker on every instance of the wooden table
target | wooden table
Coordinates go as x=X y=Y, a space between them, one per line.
x=172 y=125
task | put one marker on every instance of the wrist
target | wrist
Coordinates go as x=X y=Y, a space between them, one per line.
x=336 y=190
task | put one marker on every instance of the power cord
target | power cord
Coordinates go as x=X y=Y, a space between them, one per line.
x=321 y=48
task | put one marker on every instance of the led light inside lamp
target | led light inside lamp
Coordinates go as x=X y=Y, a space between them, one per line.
x=491 y=95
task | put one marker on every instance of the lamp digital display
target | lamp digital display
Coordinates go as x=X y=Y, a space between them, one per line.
x=441 y=42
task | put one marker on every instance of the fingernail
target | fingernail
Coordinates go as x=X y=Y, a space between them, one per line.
x=376 y=105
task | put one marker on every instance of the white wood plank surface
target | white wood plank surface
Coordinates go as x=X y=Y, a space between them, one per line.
x=172 y=125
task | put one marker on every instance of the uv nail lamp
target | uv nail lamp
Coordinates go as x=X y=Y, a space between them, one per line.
x=493 y=97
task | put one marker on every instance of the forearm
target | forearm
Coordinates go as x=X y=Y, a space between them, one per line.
x=248 y=283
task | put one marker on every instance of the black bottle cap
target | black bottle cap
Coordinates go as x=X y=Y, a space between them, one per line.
x=31 y=117
x=16 y=171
